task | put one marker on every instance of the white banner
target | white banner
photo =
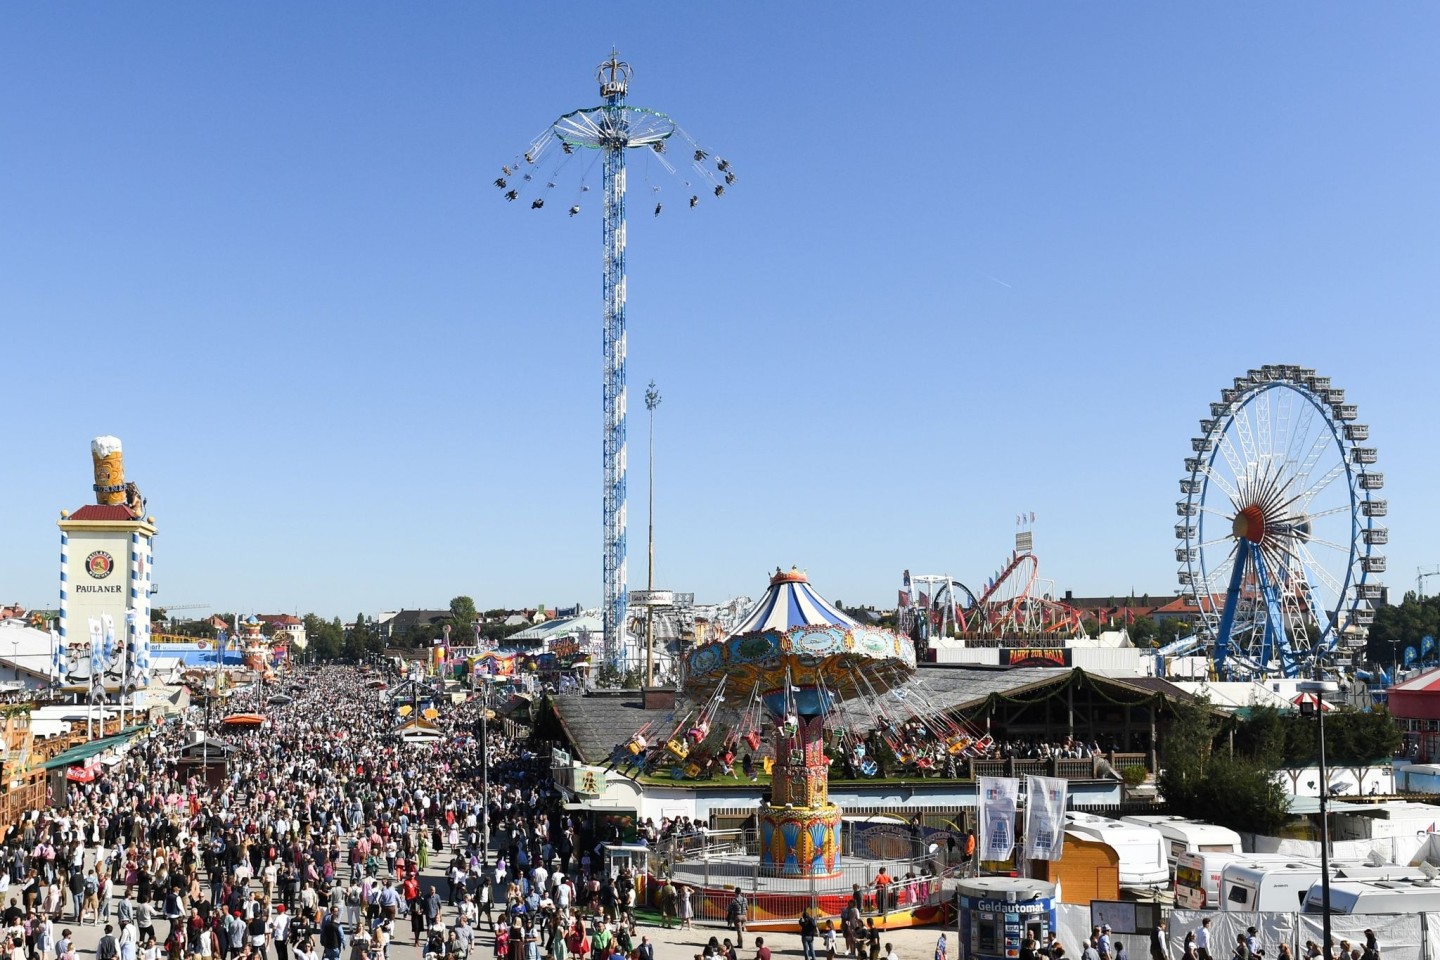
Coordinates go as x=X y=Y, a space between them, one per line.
x=108 y=654
x=97 y=653
x=997 y=817
x=1045 y=817
x=59 y=662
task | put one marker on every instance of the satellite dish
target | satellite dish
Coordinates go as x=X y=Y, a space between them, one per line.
x=1427 y=868
x=1341 y=786
x=1375 y=859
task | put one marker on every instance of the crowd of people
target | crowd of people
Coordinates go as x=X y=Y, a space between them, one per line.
x=324 y=839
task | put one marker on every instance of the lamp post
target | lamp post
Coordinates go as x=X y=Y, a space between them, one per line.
x=652 y=400
x=1319 y=688
x=15 y=658
x=485 y=773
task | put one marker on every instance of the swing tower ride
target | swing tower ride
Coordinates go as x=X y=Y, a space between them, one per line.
x=610 y=131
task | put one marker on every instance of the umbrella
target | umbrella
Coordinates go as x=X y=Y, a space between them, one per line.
x=280 y=700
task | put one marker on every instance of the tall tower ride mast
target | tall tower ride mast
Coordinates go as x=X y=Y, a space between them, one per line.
x=612 y=128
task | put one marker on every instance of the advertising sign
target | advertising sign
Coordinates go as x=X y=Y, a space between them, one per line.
x=1045 y=817
x=997 y=817
x=1035 y=657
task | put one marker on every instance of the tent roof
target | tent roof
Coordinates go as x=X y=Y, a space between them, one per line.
x=790 y=602
x=85 y=751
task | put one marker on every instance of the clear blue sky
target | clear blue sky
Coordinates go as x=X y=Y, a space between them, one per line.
x=981 y=258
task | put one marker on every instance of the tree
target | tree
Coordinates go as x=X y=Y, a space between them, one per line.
x=1232 y=790
x=462 y=620
x=1142 y=631
x=356 y=645
x=1404 y=625
x=325 y=638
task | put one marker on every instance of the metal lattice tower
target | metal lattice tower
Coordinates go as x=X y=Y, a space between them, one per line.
x=612 y=129
x=614 y=77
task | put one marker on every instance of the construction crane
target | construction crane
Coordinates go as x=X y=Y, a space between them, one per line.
x=1421 y=575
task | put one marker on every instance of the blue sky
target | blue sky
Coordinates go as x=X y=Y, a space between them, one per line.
x=981 y=258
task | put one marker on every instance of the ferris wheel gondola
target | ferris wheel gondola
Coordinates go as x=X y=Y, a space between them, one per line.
x=1277 y=526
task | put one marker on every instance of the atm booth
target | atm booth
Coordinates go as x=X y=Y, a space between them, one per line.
x=997 y=913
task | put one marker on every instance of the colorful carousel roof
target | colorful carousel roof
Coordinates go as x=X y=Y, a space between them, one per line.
x=793 y=630
x=789 y=603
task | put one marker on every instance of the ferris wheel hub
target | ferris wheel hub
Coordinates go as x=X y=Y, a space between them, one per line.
x=1249 y=524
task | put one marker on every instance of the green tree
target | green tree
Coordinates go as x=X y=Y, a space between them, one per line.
x=1170 y=629
x=1263 y=736
x=357 y=644
x=1233 y=790
x=462 y=620
x=1142 y=631
x=1399 y=626
x=324 y=637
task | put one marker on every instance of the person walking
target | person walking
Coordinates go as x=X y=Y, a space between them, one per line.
x=809 y=929
x=736 y=914
x=1159 y=942
x=1202 y=940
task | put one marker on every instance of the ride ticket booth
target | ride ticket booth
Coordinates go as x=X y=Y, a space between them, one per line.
x=637 y=858
x=997 y=913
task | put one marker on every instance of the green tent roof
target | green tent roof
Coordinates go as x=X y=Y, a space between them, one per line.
x=85 y=751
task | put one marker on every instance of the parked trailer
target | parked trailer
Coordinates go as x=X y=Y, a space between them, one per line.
x=1197 y=876
x=1183 y=835
x=1376 y=896
x=1141 y=849
x=1259 y=887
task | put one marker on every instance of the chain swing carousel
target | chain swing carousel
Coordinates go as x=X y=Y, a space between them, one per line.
x=799 y=659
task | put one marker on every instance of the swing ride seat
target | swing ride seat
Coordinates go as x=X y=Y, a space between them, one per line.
x=753 y=739
x=692 y=770
x=958 y=746
x=698 y=734
x=636 y=745
x=678 y=749
x=869 y=768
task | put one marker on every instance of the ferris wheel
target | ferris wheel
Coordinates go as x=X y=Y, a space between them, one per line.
x=1277 y=526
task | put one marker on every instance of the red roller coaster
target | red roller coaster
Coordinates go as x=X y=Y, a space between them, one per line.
x=1014 y=604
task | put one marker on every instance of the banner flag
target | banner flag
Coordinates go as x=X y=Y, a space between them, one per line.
x=109 y=623
x=97 y=652
x=997 y=817
x=1045 y=817
x=59 y=657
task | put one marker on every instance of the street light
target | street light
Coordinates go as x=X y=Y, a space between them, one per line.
x=485 y=773
x=1319 y=688
x=652 y=400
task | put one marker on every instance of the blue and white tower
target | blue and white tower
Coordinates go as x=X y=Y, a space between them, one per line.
x=613 y=129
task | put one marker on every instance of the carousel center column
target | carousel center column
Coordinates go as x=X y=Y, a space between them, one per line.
x=800 y=827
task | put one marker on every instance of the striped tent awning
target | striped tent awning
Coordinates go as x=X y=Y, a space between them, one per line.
x=789 y=603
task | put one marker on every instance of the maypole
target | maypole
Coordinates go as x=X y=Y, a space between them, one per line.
x=613 y=128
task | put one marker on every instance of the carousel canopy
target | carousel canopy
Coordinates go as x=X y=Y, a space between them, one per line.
x=793 y=633
x=791 y=602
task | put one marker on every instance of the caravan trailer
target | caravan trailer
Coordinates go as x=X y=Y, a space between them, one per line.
x=1141 y=849
x=1183 y=835
x=1197 y=876
x=1399 y=895
x=1257 y=886
x=1250 y=886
